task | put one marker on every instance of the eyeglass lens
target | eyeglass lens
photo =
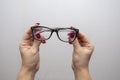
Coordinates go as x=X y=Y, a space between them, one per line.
x=45 y=32
x=67 y=35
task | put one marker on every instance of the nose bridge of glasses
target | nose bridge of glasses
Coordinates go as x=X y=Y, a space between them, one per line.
x=55 y=29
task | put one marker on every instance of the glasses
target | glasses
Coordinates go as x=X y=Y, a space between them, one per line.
x=63 y=34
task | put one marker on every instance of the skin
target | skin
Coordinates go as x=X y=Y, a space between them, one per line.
x=29 y=50
x=82 y=51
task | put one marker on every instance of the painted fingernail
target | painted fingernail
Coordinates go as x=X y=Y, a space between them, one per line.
x=71 y=27
x=43 y=41
x=37 y=23
x=71 y=34
x=38 y=36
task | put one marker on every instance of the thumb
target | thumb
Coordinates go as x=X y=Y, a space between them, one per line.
x=76 y=44
x=36 y=43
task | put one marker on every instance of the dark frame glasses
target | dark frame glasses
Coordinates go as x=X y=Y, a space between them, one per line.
x=71 y=32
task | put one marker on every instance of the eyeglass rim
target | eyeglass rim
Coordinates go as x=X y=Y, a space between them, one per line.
x=34 y=27
x=52 y=30
x=76 y=33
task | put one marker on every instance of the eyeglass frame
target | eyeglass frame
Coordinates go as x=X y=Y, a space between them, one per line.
x=54 y=30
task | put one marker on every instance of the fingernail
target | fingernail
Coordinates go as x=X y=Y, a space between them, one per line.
x=71 y=27
x=38 y=36
x=71 y=34
x=43 y=41
x=37 y=24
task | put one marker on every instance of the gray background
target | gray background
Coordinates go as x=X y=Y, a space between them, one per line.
x=99 y=19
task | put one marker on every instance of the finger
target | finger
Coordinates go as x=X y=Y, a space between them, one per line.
x=31 y=41
x=37 y=24
x=36 y=43
x=76 y=44
x=83 y=38
x=27 y=34
x=70 y=37
x=43 y=39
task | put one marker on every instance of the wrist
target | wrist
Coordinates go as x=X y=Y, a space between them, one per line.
x=26 y=74
x=82 y=74
x=80 y=70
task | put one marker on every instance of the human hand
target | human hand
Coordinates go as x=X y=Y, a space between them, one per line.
x=82 y=52
x=29 y=50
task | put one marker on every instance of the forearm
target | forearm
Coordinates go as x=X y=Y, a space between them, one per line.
x=24 y=74
x=82 y=74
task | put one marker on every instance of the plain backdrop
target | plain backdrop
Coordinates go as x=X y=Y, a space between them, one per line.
x=99 y=19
